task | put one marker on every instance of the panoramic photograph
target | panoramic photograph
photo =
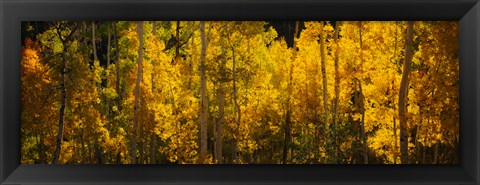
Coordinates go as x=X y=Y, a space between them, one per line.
x=240 y=92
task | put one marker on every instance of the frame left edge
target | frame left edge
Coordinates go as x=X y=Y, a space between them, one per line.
x=2 y=160
x=9 y=92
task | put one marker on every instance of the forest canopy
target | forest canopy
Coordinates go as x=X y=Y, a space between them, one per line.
x=238 y=92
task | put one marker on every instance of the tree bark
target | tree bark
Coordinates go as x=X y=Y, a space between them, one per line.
x=403 y=95
x=364 y=137
x=133 y=147
x=41 y=152
x=204 y=104
x=63 y=98
x=395 y=149
x=324 y=74
x=109 y=39
x=395 y=153
x=221 y=107
x=288 y=114
x=141 y=153
x=219 y=133
x=435 y=153
x=95 y=58
x=362 y=103
x=152 y=121
x=117 y=69
x=190 y=63
x=336 y=89
x=177 y=44
x=107 y=102
x=63 y=94
x=237 y=106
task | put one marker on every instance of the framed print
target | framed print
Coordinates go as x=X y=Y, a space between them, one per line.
x=239 y=92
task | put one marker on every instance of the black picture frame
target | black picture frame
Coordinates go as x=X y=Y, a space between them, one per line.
x=12 y=12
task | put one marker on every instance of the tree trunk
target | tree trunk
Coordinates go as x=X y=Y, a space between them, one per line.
x=141 y=152
x=221 y=107
x=424 y=147
x=235 y=99
x=63 y=99
x=190 y=63
x=107 y=102
x=153 y=142
x=84 y=30
x=403 y=95
x=152 y=121
x=395 y=150
x=117 y=69
x=41 y=148
x=177 y=44
x=324 y=74
x=435 y=153
x=117 y=80
x=82 y=142
x=219 y=133
x=109 y=39
x=362 y=128
x=336 y=90
x=395 y=153
x=133 y=147
x=95 y=58
x=362 y=103
x=204 y=105
x=288 y=114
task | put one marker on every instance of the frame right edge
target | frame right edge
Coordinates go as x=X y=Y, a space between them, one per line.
x=2 y=46
x=469 y=42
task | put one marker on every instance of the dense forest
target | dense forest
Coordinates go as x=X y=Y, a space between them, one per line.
x=236 y=92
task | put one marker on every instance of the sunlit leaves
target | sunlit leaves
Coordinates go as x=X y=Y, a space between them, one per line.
x=98 y=119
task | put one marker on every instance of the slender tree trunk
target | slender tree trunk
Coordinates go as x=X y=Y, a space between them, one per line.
x=336 y=90
x=107 y=102
x=288 y=114
x=417 y=146
x=324 y=74
x=141 y=153
x=237 y=106
x=190 y=63
x=117 y=69
x=84 y=30
x=221 y=120
x=403 y=95
x=95 y=58
x=435 y=154
x=395 y=149
x=153 y=142
x=63 y=93
x=109 y=40
x=364 y=137
x=82 y=142
x=395 y=152
x=177 y=45
x=219 y=133
x=204 y=115
x=423 y=154
x=424 y=148
x=152 y=121
x=42 y=149
x=362 y=100
x=117 y=80
x=63 y=99
x=133 y=146
x=98 y=153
